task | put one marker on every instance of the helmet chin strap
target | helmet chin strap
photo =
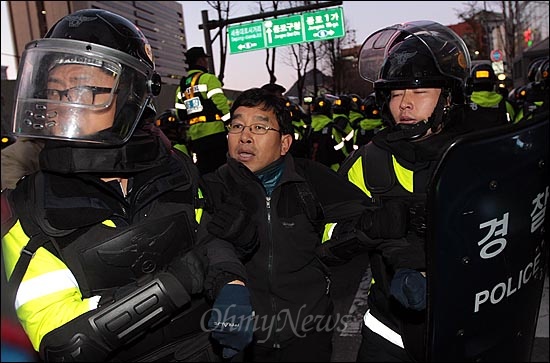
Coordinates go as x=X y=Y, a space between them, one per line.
x=420 y=129
x=409 y=132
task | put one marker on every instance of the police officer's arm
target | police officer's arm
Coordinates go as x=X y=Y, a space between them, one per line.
x=92 y=336
x=341 y=212
x=19 y=159
x=220 y=258
x=225 y=236
x=62 y=325
x=181 y=111
x=215 y=93
x=346 y=239
x=48 y=296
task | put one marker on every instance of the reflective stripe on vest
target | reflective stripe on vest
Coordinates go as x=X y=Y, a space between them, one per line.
x=212 y=92
x=355 y=175
x=327 y=233
x=404 y=175
x=379 y=328
x=349 y=136
x=226 y=117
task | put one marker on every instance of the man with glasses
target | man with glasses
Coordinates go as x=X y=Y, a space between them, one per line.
x=286 y=202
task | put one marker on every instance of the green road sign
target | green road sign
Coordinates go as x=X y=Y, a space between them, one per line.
x=246 y=37
x=324 y=24
x=283 y=31
x=293 y=29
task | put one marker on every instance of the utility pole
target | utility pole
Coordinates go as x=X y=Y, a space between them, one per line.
x=208 y=41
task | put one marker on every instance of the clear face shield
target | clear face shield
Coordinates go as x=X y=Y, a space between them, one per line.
x=68 y=92
x=448 y=50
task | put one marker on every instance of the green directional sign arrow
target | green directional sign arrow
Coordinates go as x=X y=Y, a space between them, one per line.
x=283 y=31
x=292 y=29
x=246 y=37
x=324 y=24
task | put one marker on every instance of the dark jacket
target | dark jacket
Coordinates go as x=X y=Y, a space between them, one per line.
x=285 y=277
x=380 y=161
x=108 y=242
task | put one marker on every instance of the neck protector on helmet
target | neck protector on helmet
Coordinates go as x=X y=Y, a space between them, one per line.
x=142 y=152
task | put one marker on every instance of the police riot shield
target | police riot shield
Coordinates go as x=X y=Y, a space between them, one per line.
x=486 y=249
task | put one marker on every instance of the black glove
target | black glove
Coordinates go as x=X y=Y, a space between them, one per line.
x=390 y=221
x=189 y=270
x=232 y=321
x=409 y=288
x=232 y=222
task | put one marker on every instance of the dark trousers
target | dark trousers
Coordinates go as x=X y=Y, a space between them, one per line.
x=211 y=152
x=375 y=348
x=315 y=347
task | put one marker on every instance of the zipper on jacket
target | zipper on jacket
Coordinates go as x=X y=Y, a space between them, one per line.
x=270 y=266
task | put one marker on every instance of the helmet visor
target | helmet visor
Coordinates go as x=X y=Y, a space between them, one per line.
x=448 y=50
x=66 y=92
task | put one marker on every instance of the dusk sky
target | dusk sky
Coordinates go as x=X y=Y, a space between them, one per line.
x=248 y=69
x=245 y=70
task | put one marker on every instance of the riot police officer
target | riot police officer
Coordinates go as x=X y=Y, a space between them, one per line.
x=174 y=129
x=326 y=142
x=534 y=96
x=370 y=124
x=101 y=249
x=355 y=114
x=487 y=106
x=419 y=71
x=202 y=104
x=300 y=123
x=341 y=108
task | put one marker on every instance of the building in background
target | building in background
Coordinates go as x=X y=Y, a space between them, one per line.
x=161 y=21
x=533 y=41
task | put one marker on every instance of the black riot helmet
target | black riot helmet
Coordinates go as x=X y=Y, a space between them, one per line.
x=534 y=67
x=370 y=108
x=342 y=105
x=537 y=89
x=296 y=112
x=538 y=72
x=542 y=74
x=321 y=105
x=418 y=54
x=356 y=102
x=91 y=39
x=482 y=78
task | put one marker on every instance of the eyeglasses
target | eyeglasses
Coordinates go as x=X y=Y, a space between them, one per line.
x=84 y=95
x=257 y=129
